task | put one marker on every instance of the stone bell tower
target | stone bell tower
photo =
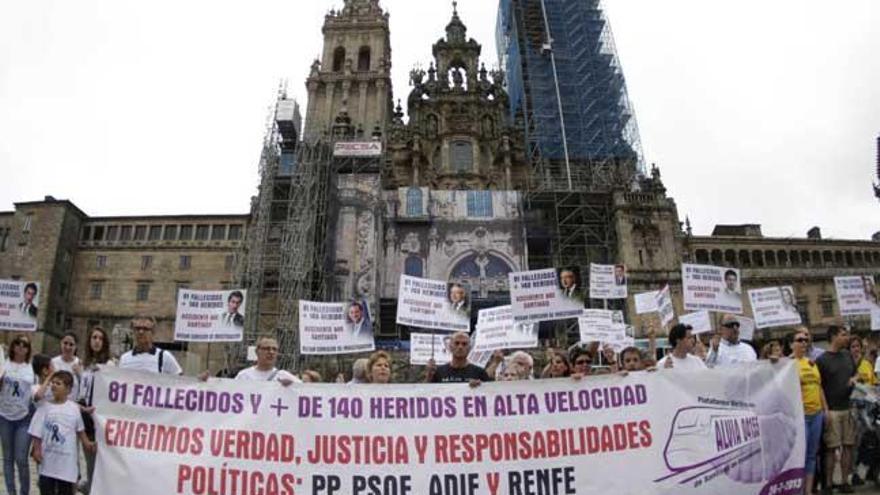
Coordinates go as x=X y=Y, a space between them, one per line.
x=354 y=72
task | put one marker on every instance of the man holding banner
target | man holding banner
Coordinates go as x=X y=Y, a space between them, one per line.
x=265 y=370
x=145 y=356
x=459 y=370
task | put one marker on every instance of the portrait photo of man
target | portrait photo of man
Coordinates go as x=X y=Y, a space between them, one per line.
x=570 y=284
x=457 y=297
x=731 y=284
x=357 y=320
x=28 y=305
x=232 y=318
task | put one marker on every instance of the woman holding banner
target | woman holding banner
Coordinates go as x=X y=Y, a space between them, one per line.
x=97 y=354
x=558 y=367
x=15 y=414
x=379 y=367
x=814 y=402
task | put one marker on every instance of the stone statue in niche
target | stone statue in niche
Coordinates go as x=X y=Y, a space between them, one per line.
x=488 y=126
x=431 y=126
x=457 y=79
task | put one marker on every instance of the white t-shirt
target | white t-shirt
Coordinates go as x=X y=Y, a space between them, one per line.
x=689 y=363
x=59 y=364
x=88 y=382
x=728 y=354
x=255 y=375
x=58 y=425
x=149 y=361
x=15 y=390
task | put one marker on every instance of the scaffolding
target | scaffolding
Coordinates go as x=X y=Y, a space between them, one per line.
x=567 y=89
x=285 y=250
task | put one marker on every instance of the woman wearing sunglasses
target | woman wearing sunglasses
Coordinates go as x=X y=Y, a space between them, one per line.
x=814 y=402
x=16 y=380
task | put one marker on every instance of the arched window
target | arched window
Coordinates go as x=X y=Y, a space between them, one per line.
x=338 y=59
x=413 y=266
x=414 y=206
x=486 y=275
x=364 y=59
x=461 y=156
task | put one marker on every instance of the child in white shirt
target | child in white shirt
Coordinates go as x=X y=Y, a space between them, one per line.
x=55 y=428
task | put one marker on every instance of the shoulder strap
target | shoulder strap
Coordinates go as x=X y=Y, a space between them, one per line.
x=161 y=359
x=272 y=375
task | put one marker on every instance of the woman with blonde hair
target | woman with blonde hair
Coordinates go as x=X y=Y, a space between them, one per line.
x=379 y=367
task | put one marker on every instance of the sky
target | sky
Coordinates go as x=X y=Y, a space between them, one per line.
x=755 y=111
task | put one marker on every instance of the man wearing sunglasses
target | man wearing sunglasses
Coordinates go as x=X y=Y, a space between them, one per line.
x=726 y=348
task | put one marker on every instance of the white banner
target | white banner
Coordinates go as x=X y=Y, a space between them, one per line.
x=746 y=328
x=210 y=315
x=496 y=330
x=362 y=148
x=663 y=301
x=601 y=325
x=433 y=304
x=607 y=281
x=774 y=306
x=543 y=295
x=699 y=320
x=735 y=430
x=646 y=302
x=855 y=295
x=713 y=288
x=19 y=305
x=335 y=328
x=425 y=346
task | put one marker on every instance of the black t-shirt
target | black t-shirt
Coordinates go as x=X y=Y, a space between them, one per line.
x=836 y=369
x=447 y=374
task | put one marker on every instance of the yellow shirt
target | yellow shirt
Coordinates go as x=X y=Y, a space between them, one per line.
x=811 y=386
x=866 y=373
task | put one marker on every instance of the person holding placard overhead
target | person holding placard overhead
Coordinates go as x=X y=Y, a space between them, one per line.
x=726 y=348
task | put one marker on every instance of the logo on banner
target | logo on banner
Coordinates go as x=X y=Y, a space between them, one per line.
x=365 y=148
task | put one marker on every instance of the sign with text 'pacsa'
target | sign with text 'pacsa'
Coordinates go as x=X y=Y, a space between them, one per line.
x=730 y=430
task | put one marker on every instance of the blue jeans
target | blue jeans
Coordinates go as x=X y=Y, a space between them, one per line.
x=813 y=427
x=16 y=444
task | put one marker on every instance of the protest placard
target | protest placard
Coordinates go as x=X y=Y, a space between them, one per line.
x=713 y=288
x=543 y=295
x=774 y=306
x=210 y=315
x=433 y=304
x=335 y=328
x=19 y=305
x=699 y=320
x=607 y=281
x=855 y=295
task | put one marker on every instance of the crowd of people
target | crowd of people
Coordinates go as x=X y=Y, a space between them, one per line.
x=46 y=404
